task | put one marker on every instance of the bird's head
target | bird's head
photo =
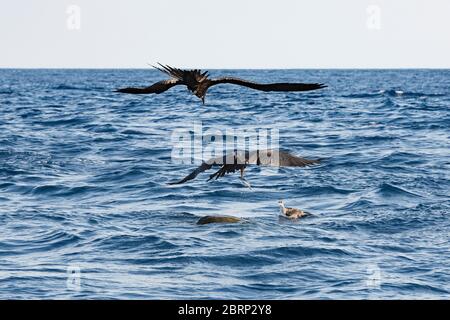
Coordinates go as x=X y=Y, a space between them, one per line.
x=200 y=89
x=200 y=93
x=282 y=208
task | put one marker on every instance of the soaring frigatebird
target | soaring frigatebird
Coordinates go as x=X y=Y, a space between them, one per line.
x=198 y=83
x=240 y=159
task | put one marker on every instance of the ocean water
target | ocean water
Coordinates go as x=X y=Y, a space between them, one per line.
x=86 y=211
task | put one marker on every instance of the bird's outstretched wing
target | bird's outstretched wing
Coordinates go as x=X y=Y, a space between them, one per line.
x=227 y=162
x=203 y=167
x=225 y=169
x=235 y=161
x=274 y=158
x=289 y=160
x=158 y=87
x=278 y=158
x=282 y=86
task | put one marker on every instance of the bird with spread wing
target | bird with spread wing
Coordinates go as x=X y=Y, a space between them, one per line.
x=199 y=83
x=238 y=160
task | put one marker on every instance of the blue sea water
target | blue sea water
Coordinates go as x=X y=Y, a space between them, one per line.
x=86 y=212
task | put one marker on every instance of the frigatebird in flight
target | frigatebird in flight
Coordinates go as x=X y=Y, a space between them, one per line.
x=240 y=159
x=198 y=83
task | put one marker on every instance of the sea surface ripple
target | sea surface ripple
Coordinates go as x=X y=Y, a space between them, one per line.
x=84 y=173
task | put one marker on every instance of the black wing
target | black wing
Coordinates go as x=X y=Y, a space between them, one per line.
x=289 y=160
x=232 y=162
x=203 y=167
x=225 y=169
x=158 y=87
x=282 y=86
x=278 y=158
x=262 y=158
x=228 y=163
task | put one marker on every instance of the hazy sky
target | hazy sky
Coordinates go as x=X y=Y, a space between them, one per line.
x=225 y=34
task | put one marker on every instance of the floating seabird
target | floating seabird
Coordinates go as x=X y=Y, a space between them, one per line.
x=239 y=160
x=291 y=213
x=198 y=83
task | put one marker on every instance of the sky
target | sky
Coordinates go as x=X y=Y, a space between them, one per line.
x=225 y=34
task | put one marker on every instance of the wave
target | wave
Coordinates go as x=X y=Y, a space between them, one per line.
x=134 y=243
x=389 y=190
x=295 y=251
x=392 y=93
x=64 y=191
x=236 y=260
x=134 y=132
x=80 y=88
x=62 y=122
x=410 y=94
x=42 y=242
x=362 y=95
x=131 y=174
x=101 y=128
x=358 y=204
x=407 y=158
x=415 y=289
x=325 y=190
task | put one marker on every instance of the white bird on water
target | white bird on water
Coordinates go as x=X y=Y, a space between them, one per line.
x=291 y=213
